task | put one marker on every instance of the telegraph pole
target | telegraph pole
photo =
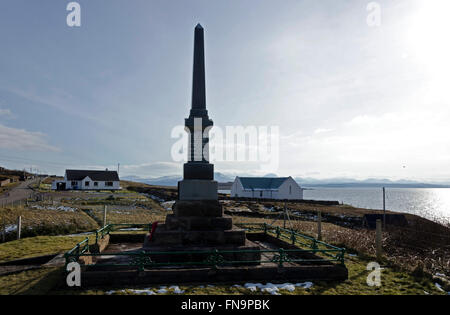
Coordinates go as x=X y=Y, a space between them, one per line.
x=384 y=207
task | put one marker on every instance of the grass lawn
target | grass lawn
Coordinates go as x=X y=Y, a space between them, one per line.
x=143 y=216
x=30 y=282
x=44 y=280
x=43 y=221
x=38 y=246
x=393 y=282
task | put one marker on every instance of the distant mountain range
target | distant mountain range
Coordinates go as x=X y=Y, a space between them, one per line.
x=173 y=180
x=304 y=182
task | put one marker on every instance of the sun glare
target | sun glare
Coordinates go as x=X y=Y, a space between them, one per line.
x=428 y=37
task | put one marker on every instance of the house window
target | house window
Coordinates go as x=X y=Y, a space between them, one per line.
x=109 y=184
x=290 y=190
x=95 y=184
x=260 y=194
x=86 y=184
x=74 y=183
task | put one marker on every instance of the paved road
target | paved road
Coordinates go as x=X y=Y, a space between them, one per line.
x=18 y=193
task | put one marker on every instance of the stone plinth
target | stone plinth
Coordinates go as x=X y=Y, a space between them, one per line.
x=197 y=223
x=200 y=225
x=210 y=208
x=197 y=253
x=197 y=189
x=202 y=171
x=205 y=237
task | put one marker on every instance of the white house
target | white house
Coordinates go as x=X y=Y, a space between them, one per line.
x=88 y=180
x=267 y=188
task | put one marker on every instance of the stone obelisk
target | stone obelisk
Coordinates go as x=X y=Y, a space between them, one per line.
x=198 y=174
x=197 y=221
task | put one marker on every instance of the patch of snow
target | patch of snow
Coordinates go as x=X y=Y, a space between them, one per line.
x=121 y=212
x=304 y=285
x=130 y=229
x=176 y=289
x=439 y=274
x=275 y=288
x=153 y=197
x=162 y=291
x=168 y=205
x=11 y=228
x=79 y=234
x=270 y=288
x=59 y=208
x=145 y=291
x=251 y=286
x=439 y=287
x=287 y=286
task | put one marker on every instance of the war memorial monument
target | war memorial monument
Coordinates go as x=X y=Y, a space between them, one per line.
x=197 y=243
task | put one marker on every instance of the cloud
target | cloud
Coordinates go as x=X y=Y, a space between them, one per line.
x=375 y=145
x=55 y=98
x=322 y=130
x=152 y=169
x=20 y=139
x=5 y=112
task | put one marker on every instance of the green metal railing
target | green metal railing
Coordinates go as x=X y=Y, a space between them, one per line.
x=80 y=249
x=216 y=258
x=297 y=238
x=101 y=233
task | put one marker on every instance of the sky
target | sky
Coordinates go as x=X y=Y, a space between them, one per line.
x=350 y=98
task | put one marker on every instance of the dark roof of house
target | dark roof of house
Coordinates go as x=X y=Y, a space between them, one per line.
x=94 y=175
x=262 y=182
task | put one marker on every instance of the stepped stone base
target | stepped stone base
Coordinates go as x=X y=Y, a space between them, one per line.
x=198 y=223
x=163 y=236
x=244 y=257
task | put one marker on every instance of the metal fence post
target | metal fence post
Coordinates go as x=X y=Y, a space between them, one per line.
x=342 y=257
x=141 y=261
x=378 y=240
x=314 y=245
x=3 y=231
x=319 y=226
x=104 y=216
x=280 y=263
x=19 y=227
